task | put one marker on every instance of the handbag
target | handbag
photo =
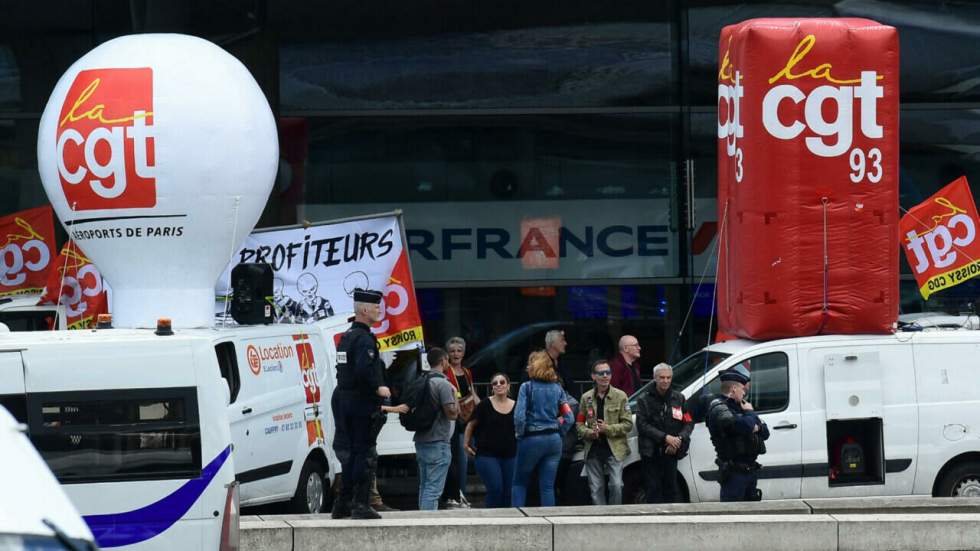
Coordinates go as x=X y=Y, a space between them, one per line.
x=466 y=404
x=466 y=407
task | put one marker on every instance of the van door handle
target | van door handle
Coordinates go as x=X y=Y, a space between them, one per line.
x=246 y=411
x=784 y=427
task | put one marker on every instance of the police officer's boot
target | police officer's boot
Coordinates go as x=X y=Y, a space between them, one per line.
x=360 y=508
x=341 y=504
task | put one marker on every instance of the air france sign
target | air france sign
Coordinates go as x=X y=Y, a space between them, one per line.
x=534 y=240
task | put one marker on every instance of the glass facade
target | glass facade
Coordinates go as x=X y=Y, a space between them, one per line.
x=485 y=120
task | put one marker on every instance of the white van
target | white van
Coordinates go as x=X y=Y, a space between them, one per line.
x=279 y=381
x=134 y=426
x=35 y=514
x=906 y=405
x=281 y=378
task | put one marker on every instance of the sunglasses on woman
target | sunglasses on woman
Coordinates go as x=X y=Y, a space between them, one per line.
x=498 y=382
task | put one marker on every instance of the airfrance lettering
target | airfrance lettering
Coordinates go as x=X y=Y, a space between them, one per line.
x=330 y=251
x=644 y=240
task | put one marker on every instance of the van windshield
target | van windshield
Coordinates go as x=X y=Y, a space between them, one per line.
x=32 y=320
x=689 y=369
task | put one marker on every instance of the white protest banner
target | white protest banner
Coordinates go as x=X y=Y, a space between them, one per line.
x=318 y=267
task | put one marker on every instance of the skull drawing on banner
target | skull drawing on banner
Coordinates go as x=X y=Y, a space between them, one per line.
x=312 y=306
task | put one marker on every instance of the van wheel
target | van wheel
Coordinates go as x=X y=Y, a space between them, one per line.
x=311 y=491
x=961 y=481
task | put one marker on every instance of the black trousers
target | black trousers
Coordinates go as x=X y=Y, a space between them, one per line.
x=354 y=440
x=451 y=489
x=740 y=485
x=660 y=474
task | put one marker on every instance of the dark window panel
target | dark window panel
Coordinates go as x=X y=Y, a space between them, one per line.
x=554 y=157
x=439 y=55
x=924 y=28
x=101 y=436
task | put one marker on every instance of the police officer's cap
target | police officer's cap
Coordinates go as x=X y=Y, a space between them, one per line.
x=367 y=295
x=739 y=374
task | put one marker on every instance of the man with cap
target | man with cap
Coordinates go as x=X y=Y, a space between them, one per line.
x=738 y=436
x=356 y=399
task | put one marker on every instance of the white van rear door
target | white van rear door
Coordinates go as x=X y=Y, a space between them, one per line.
x=12 y=389
x=887 y=391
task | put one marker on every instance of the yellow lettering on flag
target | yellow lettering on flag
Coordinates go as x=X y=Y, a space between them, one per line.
x=401 y=339
x=949 y=279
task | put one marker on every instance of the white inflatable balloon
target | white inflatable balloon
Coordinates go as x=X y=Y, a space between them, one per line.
x=158 y=153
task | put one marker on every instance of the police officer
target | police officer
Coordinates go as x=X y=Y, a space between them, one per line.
x=738 y=436
x=356 y=404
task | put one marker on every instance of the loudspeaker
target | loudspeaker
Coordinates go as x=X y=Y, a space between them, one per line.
x=251 y=300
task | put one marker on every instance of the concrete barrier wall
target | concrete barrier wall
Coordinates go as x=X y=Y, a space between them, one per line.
x=781 y=507
x=864 y=524
x=708 y=533
x=431 y=534
x=267 y=535
x=901 y=532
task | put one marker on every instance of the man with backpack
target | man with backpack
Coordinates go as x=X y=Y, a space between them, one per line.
x=432 y=412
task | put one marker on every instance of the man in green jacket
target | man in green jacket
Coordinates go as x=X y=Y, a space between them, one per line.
x=603 y=423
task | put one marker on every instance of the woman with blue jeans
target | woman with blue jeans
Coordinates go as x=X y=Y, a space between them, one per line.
x=541 y=416
x=493 y=426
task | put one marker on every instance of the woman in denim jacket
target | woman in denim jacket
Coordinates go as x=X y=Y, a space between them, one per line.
x=541 y=416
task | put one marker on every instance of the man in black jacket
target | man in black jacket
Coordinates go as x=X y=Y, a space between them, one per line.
x=356 y=400
x=664 y=425
x=738 y=436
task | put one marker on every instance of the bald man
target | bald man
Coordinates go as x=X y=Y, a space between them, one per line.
x=626 y=365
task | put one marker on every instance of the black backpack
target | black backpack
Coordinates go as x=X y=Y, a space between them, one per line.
x=422 y=408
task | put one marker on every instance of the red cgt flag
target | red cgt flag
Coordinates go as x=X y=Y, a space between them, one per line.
x=77 y=284
x=940 y=238
x=26 y=246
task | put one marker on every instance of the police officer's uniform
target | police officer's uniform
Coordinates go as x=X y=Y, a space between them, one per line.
x=737 y=444
x=356 y=409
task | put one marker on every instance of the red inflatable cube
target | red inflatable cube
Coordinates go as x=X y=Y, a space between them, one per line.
x=808 y=144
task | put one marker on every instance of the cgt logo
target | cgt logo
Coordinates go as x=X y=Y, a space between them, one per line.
x=254 y=360
x=105 y=140
x=77 y=289
x=829 y=137
x=22 y=253
x=958 y=231
x=730 y=94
